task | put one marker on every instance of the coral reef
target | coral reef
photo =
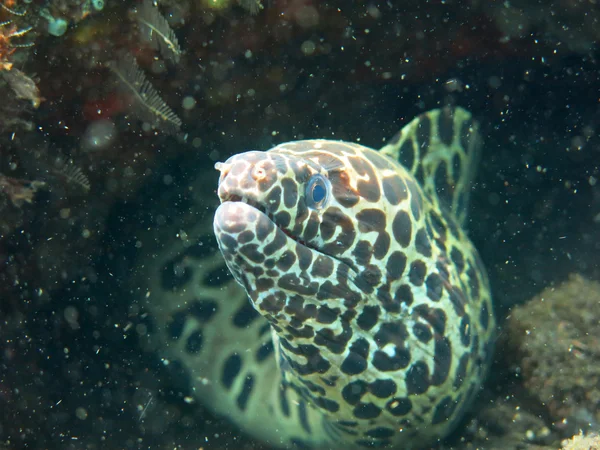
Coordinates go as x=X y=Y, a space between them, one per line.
x=581 y=442
x=553 y=342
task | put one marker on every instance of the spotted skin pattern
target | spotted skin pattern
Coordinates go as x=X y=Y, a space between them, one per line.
x=378 y=303
x=363 y=322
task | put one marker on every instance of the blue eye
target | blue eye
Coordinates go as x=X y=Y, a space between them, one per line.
x=317 y=191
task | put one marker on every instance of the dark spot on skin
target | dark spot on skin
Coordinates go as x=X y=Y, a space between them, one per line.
x=417 y=379
x=422 y=332
x=385 y=299
x=252 y=252
x=347 y=423
x=302 y=214
x=291 y=282
x=176 y=324
x=368 y=318
x=461 y=371
x=327 y=404
x=273 y=199
x=295 y=306
x=286 y=261
x=263 y=284
x=437 y=225
x=217 y=277
x=283 y=401
x=442 y=358
x=416 y=200
x=453 y=226
x=457 y=259
x=329 y=290
x=362 y=253
x=264 y=351
x=304 y=256
x=272 y=304
x=242 y=400
x=303 y=416
x=435 y=287
x=245 y=315
x=327 y=315
x=404 y=295
x=371 y=275
x=436 y=317
x=204 y=247
x=283 y=219
x=356 y=361
x=380 y=433
x=333 y=218
x=322 y=267
x=313 y=388
x=194 y=342
x=385 y=363
x=369 y=190
x=353 y=392
x=245 y=237
x=399 y=406
x=344 y=194
x=422 y=244
x=484 y=316
x=444 y=410
x=456 y=166
x=290 y=193
x=312 y=227
x=394 y=189
x=458 y=300
x=315 y=362
x=264 y=330
x=382 y=245
x=371 y=220
x=379 y=160
x=174 y=275
x=393 y=332
x=366 y=411
x=473 y=282
x=442 y=267
x=203 y=310
x=417 y=272
x=336 y=343
x=231 y=369
x=395 y=266
x=446 y=126
x=383 y=388
x=407 y=154
x=402 y=228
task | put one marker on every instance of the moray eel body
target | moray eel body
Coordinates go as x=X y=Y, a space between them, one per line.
x=360 y=313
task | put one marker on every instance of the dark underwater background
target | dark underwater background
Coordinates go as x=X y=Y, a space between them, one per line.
x=83 y=174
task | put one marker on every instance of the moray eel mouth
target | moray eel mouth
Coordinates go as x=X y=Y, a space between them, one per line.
x=251 y=224
x=234 y=198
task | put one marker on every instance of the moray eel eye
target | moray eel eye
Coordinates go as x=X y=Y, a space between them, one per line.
x=318 y=191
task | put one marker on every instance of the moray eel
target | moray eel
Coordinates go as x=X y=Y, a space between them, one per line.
x=360 y=313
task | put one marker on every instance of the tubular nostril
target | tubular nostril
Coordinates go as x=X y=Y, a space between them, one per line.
x=259 y=173
x=223 y=168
